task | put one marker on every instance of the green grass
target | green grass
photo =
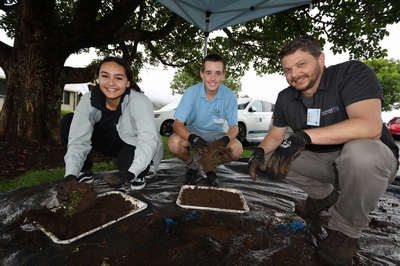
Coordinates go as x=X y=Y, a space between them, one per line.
x=45 y=176
x=64 y=112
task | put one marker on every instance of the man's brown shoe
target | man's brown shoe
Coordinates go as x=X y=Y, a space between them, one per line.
x=337 y=249
x=314 y=206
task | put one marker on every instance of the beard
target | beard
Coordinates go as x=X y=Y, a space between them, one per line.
x=313 y=77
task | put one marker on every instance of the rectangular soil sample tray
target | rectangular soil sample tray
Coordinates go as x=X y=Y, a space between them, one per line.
x=212 y=198
x=137 y=206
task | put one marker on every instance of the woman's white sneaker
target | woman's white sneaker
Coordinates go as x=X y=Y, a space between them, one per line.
x=86 y=177
x=138 y=183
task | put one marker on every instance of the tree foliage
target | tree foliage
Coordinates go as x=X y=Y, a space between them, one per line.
x=183 y=80
x=47 y=32
x=388 y=73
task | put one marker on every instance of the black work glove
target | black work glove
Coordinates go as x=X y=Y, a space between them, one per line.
x=225 y=140
x=282 y=158
x=62 y=191
x=117 y=179
x=199 y=145
x=256 y=162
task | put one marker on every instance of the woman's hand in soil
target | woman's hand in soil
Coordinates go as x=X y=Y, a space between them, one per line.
x=117 y=179
x=63 y=190
x=199 y=145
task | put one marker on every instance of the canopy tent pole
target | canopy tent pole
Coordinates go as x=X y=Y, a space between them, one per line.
x=206 y=34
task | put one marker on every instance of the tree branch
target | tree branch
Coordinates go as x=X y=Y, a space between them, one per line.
x=79 y=75
x=162 y=60
x=9 y=8
x=143 y=35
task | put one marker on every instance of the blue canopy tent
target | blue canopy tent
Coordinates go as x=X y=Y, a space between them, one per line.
x=211 y=15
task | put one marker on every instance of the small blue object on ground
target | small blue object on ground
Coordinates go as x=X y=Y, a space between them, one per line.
x=290 y=228
x=191 y=216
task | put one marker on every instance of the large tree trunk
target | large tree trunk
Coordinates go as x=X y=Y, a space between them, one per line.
x=32 y=104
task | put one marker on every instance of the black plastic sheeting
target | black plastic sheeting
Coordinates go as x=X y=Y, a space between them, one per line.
x=141 y=239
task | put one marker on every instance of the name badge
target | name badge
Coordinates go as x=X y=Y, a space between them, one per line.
x=313 y=116
x=218 y=121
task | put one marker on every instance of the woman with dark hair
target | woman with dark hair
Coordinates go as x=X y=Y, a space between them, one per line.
x=115 y=119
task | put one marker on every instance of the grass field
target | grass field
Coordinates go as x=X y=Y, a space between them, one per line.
x=51 y=175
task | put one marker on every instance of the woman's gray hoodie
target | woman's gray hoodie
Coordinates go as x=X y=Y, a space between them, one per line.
x=136 y=127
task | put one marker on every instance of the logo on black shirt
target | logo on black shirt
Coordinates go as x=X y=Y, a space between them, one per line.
x=330 y=110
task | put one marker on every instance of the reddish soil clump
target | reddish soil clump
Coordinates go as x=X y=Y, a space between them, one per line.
x=217 y=154
x=81 y=197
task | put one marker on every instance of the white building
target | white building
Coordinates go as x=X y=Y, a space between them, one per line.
x=71 y=95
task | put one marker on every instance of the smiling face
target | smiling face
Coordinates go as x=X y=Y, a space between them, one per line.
x=113 y=82
x=303 y=71
x=212 y=75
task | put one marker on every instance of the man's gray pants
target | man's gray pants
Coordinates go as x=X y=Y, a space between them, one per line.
x=363 y=169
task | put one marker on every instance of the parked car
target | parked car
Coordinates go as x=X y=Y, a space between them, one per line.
x=289 y=132
x=165 y=119
x=254 y=115
x=394 y=126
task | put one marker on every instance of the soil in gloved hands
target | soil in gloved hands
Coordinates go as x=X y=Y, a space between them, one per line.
x=81 y=197
x=217 y=154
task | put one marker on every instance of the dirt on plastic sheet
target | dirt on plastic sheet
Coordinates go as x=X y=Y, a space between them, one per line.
x=104 y=209
x=200 y=238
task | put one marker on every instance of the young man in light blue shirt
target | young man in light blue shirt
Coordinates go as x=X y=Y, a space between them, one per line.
x=200 y=117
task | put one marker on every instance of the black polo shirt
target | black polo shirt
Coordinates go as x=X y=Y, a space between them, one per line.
x=340 y=86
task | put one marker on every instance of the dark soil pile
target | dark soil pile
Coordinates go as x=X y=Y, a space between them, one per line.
x=106 y=209
x=200 y=238
x=211 y=198
x=21 y=157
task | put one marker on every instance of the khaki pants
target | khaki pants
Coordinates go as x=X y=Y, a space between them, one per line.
x=363 y=169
